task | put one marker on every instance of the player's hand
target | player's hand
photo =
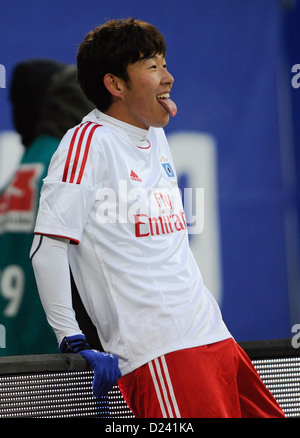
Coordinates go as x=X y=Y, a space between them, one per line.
x=106 y=370
x=104 y=365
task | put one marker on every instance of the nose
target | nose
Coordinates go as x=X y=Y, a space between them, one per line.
x=167 y=78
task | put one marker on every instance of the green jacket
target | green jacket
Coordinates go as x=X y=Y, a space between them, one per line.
x=26 y=329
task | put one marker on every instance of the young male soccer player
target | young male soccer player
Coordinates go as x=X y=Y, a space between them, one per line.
x=110 y=209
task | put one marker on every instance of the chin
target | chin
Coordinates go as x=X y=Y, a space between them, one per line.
x=161 y=123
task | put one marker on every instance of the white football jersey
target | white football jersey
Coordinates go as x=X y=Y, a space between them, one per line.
x=117 y=198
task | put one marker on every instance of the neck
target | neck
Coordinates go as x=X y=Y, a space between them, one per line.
x=121 y=113
x=136 y=135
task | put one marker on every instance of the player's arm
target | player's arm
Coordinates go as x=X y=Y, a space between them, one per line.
x=49 y=257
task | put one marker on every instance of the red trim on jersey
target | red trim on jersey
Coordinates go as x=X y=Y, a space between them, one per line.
x=83 y=127
x=74 y=241
x=145 y=147
x=86 y=152
x=78 y=151
x=64 y=178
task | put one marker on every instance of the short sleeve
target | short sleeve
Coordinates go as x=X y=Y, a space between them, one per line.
x=74 y=177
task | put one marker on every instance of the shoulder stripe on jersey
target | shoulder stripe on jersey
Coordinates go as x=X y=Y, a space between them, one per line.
x=86 y=153
x=78 y=149
x=64 y=178
x=79 y=145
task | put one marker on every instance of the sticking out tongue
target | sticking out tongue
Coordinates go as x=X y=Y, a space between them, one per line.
x=169 y=105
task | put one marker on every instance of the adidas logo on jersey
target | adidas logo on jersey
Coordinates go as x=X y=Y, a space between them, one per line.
x=134 y=176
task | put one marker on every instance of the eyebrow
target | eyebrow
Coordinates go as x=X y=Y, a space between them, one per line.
x=155 y=57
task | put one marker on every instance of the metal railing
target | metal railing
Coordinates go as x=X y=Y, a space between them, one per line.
x=60 y=385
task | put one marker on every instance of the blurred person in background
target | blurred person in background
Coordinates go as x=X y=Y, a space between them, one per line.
x=46 y=102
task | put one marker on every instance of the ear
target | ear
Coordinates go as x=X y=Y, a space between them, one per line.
x=114 y=85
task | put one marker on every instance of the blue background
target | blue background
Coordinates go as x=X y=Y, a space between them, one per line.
x=232 y=62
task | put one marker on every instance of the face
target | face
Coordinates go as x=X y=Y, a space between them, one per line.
x=149 y=81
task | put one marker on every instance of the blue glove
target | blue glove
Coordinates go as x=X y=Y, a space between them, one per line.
x=104 y=365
